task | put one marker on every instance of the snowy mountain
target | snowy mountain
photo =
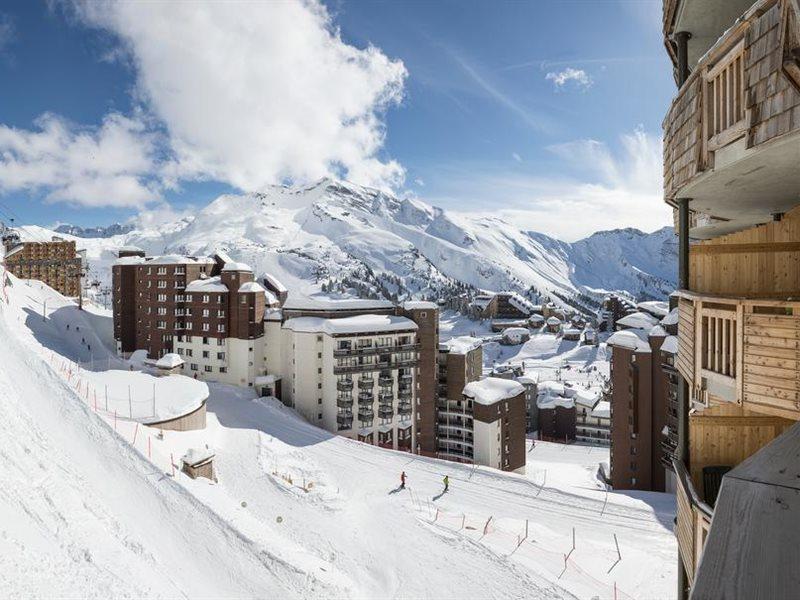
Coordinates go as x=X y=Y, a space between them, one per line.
x=94 y=232
x=337 y=236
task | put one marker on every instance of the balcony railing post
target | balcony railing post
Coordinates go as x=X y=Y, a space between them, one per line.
x=682 y=40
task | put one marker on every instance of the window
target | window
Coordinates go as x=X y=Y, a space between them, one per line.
x=319 y=416
x=205 y=340
x=188 y=325
x=179 y=297
x=193 y=366
x=220 y=356
x=208 y=369
x=161 y=325
x=221 y=328
x=221 y=314
x=205 y=298
x=162 y=284
x=180 y=270
x=319 y=400
x=243 y=300
x=162 y=270
x=220 y=342
x=206 y=313
x=423 y=315
x=188 y=352
x=187 y=296
x=205 y=353
x=162 y=310
x=180 y=351
x=205 y=327
x=223 y=369
x=162 y=297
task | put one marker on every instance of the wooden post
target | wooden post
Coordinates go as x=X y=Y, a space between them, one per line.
x=486 y=527
x=135 y=431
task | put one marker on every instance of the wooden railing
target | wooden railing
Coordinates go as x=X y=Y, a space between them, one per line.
x=725 y=98
x=693 y=520
x=739 y=350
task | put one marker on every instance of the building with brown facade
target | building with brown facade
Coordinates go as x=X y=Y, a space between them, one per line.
x=56 y=263
x=731 y=156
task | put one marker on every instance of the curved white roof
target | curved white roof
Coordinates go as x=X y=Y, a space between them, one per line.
x=461 y=344
x=493 y=389
x=169 y=361
x=420 y=305
x=212 y=284
x=553 y=321
x=638 y=320
x=252 y=286
x=350 y=325
x=236 y=266
x=670 y=345
x=632 y=339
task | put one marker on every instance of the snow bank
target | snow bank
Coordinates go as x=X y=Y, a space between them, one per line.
x=169 y=361
x=493 y=389
x=670 y=345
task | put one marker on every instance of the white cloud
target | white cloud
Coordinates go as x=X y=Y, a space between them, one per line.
x=252 y=97
x=516 y=157
x=419 y=182
x=579 y=77
x=608 y=190
x=109 y=165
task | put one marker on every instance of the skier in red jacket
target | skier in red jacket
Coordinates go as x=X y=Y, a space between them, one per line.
x=403 y=480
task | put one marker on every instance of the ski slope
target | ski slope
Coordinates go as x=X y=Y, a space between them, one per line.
x=295 y=511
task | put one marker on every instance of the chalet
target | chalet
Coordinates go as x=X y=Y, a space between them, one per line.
x=731 y=146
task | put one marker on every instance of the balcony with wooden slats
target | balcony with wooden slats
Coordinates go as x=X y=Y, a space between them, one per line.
x=732 y=133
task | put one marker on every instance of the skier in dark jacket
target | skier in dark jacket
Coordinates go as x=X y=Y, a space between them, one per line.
x=403 y=480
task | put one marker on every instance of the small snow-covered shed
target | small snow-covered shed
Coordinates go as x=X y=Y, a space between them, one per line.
x=515 y=335
x=198 y=462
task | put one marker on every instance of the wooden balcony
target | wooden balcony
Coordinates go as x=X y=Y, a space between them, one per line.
x=741 y=351
x=732 y=134
x=693 y=521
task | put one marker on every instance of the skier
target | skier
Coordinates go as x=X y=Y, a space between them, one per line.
x=403 y=480
x=446 y=481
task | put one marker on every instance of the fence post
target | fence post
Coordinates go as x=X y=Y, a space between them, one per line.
x=172 y=463
x=135 y=431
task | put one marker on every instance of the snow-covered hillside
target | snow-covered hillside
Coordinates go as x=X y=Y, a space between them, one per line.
x=296 y=511
x=338 y=231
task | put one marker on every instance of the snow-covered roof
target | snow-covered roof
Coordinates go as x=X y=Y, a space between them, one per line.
x=266 y=379
x=323 y=303
x=127 y=260
x=251 y=286
x=270 y=298
x=350 y=325
x=671 y=318
x=670 y=345
x=632 y=339
x=657 y=331
x=273 y=314
x=461 y=344
x=515 y=332
x=210 y=284
x=535 y=318
x=493 y=389
x=236 y=266
x=169 y=361
x=195 y=456
x=177 y=259
x=529 y=378
x=553 y=321
x=637 y=320
x=602 y=410
x=482 y=301
x=273 y=282
x=419 y=305
x=656 y=308
x=572 y=331
x=129 y=249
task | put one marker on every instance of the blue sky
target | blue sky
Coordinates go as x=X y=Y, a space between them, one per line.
x=548 y=112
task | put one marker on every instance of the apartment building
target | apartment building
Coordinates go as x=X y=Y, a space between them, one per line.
x=731 y=156
x=208 y=311
x=460 y=361
x=638 y=409
x=485 y=425
x=57 y=263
